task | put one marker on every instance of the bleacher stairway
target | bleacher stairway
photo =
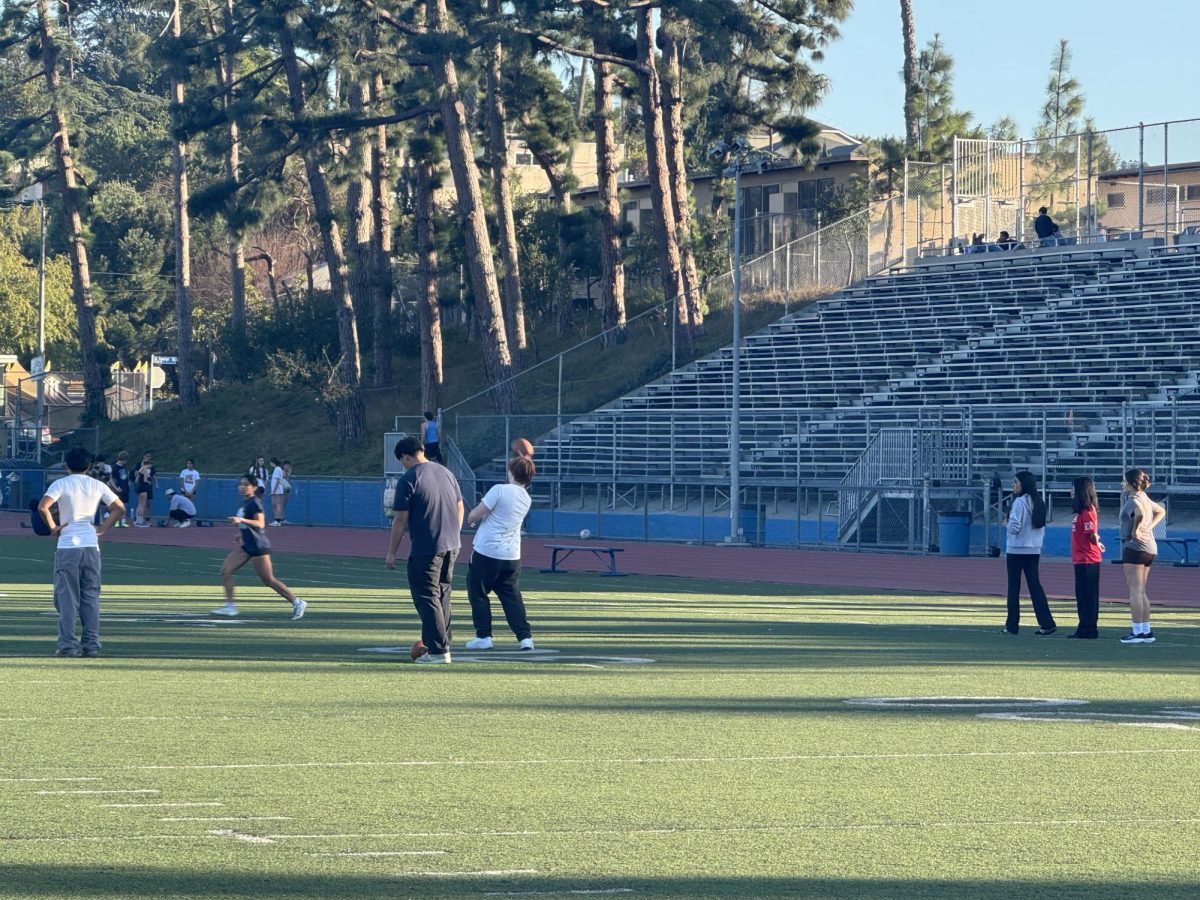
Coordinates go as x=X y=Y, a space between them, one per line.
x=1030 y=353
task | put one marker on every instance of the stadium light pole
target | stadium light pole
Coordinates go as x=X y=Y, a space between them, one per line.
x=743 y=156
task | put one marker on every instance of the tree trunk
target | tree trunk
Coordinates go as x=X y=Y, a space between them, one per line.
x=381 y=242
x=429 y=316
x=95 y=409
x=358 y=206
x=670 y=265
x=612 y=266
x=680 y=189
x=272 y=286
x=233 y=164
x=912 y=133
x=496 y=356
x=514 y=302
x=188 y=395
x=351 y=413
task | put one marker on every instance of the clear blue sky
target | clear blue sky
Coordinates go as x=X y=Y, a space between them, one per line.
x=1135 y=61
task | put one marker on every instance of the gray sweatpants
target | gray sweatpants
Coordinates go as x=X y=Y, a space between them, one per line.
x=77 y=595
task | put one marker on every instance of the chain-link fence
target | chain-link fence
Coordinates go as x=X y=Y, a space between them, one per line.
x=612 y=362
x=1142 y=181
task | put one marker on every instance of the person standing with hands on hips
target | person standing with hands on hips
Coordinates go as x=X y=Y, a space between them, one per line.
x=77 y=557
x=1139 y=517
x=429 y=507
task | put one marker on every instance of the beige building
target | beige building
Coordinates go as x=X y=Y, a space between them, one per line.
x=779 y=204
x=1173 y=201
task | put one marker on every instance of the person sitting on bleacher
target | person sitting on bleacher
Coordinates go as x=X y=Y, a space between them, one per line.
x=1007 y=243
x=1047 y=230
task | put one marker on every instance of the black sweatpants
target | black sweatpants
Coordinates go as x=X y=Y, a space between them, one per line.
x=1087 y=598
x=429 y=580
x=1027 y=564
x=501 y=577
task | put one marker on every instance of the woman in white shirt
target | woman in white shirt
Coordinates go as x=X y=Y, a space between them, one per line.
x=496 y=557
x=1026 y=530
x=276 y=491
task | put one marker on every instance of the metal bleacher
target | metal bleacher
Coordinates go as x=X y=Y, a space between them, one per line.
x=1033 y=354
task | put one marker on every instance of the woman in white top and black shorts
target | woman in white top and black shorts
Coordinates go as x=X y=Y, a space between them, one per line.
x=1026 y=531
x=496 y=557
x=1139 y=517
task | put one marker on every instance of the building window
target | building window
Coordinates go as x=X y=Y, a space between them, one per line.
x=1157 y=195
x=1193 y=192
x=524 y=158
x=1116 y=201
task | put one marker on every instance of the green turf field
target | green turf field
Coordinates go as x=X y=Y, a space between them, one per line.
x=687 y=740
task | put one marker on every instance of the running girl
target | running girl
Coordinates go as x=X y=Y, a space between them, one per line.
x=253 y=547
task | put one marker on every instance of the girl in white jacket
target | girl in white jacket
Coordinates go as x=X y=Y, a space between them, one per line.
x=1026 y=530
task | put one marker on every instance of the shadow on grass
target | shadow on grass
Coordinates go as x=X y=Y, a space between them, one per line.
x=113 y=881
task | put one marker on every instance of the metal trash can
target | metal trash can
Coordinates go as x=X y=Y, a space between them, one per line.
x=954 y=533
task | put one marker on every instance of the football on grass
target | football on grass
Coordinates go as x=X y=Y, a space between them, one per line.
x=418 y=649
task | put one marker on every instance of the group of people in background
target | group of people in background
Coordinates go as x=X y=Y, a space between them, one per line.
x=275 y=482
x=1026 y=524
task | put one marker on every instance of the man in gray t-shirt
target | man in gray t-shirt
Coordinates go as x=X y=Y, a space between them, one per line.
x=429 y=507
x=77 y=559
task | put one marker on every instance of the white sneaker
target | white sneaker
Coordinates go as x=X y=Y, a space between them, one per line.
x=186 y=524
x=229 y=609
x=141 y=524
x=298 y=609
x=526 y=644
x=276 y=524
x=479 y=643
x=433 y=659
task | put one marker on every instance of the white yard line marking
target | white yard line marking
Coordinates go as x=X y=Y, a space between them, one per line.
x=766 y=829
x=227 y=819
x=134 y=791
x=561 y=893
x=47 y=779
x=161 y=805
x=646 y=760
x=962 y=702
x=238 y=836
x=372 y=853
x=486 y=873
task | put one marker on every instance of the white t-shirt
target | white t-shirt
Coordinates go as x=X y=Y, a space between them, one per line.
x=78 y=496
x=499 y=535
x=178 y=501
x=277 y=480
x=189 y=478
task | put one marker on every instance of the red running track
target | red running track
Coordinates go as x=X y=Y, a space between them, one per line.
x=1170 y=586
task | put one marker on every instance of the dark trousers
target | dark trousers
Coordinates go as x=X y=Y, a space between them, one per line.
x=501 y=577
x=1087 y=598
x=1027 y=564
x=178 y=515
x=429 y=580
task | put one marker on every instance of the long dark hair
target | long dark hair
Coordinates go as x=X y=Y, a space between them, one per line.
x=1083 y=492
x=1029 y=489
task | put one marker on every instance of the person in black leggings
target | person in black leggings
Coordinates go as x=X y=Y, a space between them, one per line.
x=1026 y=530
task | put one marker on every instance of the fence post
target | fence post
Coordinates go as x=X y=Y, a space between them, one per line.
x=1091 y=216
x=1077 y=149
x=1166 y=180
x=787 y=277
x=954 y=190
x=1174 y=433
x=1045 y=458
x=1141 y=176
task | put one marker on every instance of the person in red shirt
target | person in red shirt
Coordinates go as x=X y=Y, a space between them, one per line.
x=1087 y=554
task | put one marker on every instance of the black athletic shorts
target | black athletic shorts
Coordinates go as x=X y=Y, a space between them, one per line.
x=1137 y=557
